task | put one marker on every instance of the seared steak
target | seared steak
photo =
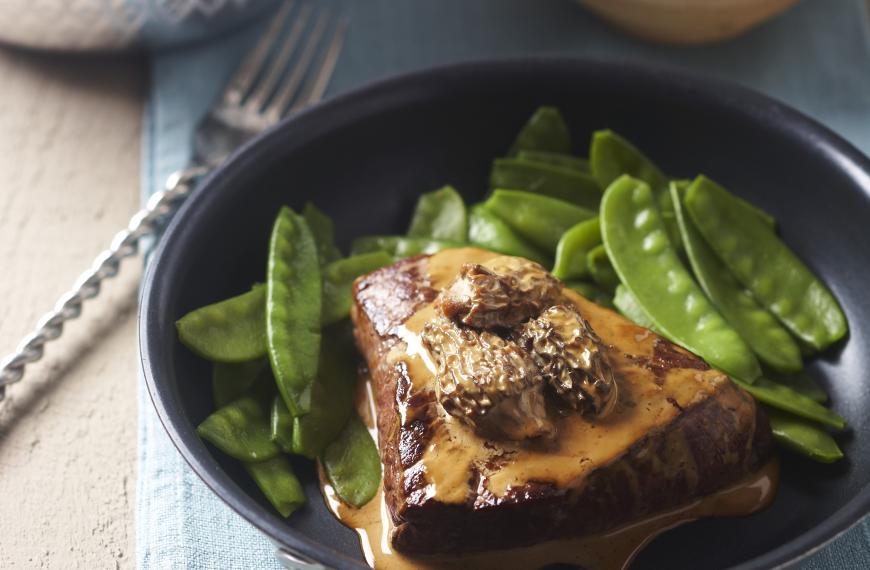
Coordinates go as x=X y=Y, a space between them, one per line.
x=678 y=430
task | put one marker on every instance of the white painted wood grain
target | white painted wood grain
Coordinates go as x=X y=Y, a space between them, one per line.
x=69 y=167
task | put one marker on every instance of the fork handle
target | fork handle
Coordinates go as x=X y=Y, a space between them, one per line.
x=144 y=224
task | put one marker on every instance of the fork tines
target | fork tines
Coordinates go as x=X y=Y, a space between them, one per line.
x=279 y=74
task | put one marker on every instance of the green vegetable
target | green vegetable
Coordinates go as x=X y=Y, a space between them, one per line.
x=765 y=265
x=228 y=331
x=399 y=246
x=802 y=383
x=352 y=464
x=592 y=292
x=545 y=130
x=611 y=156
x=578 y=188
x=574 y=247
x=230 y=382
x=440 y=215
x=786 y=399
x=324 y=233
x=488 y=231
x=555 y=159
x=628 y=305
x=240 y=429
x=765 y=336
x=276 y=479
x=600 y=268
x=540 y=219
x=647 y=264
x=281 y=425
x=293 y=309
x=332 y=394
x=803 y=437
x=338 y=278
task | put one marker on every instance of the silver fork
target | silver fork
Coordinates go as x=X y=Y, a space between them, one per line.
x=262 y=91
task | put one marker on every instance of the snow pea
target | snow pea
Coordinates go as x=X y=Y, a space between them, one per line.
x=440 y=215
x=592 y=292
x=322 y=229
x=276 y=480
x=540 y=219
x=802 y=383
x=352 y=464
x=545 y=130
x=611 y=156
x=488 y=231
x=788 y=400
x=281 y=425
x=573 y=248
x=600 y=268
x=766 y=266
x=762 y=332
x=332 y=394
x=400 y=246
x=241 y=430
x=803 y=437
x=293 y=309
x=578 y=188
x=338 y=278
x=233 y=330
x=647 y=264
x=630 y=308
x=230 y=382
x=555 y=159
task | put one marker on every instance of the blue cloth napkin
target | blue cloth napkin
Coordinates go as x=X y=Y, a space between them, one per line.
x=816 y=57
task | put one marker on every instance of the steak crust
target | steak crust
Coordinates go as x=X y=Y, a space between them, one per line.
x=712 y=440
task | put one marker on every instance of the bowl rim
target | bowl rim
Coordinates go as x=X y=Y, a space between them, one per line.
x=380 y=95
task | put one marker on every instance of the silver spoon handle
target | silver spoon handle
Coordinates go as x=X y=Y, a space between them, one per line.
x=146 y=223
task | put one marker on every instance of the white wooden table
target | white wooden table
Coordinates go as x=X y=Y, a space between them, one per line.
x=69 y=178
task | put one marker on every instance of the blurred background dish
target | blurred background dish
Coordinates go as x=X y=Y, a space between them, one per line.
x=686 y=21
x=86 y=25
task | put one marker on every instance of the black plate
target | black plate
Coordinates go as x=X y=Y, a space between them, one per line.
x=365 y=156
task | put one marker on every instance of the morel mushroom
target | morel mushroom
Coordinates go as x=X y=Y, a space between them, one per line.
x=572 y=358
x=502 y=293
x=487 y=382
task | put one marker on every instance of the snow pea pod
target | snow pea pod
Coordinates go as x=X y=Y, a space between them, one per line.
x=440 y=215
x=338 y=278
x=322 y=229
x=276 y=480
x=630 y=308
x=545 y=130
x=332 y=394
x=592 y=292
x=802 y=383
x=788 y=400
x=352 y=464
x=647 y=264
x=600 y=268
x=241 y=430
x=230 y=382
x=578 y=188
x=540 y=219
x=803 y=437
x=574 y=247
x=555 y=159
x=233 y=330
x=766 y=266
x=281 y=425
x=293 y=309
x=488 y=231
x=762 y=332
x=400 y=246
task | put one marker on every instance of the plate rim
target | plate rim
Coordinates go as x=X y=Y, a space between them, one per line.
x=400 y=87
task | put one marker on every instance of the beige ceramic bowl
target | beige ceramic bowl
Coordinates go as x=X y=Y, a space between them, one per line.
x=686 y=21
